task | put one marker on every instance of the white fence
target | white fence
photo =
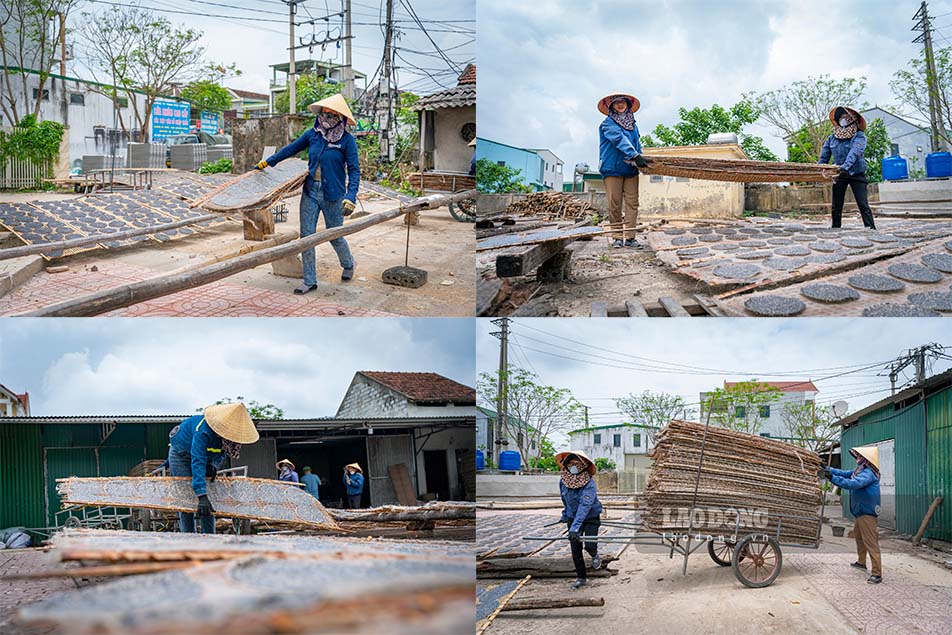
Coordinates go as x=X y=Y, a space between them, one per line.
x=16 y=174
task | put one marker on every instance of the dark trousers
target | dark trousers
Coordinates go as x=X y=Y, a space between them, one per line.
x=858 y=183
x=353 y=502
x=588 y=528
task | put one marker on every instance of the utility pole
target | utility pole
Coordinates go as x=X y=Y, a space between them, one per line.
x=387 y=150
x=938 y=132
x=502 y=384
x=292 y=69
x=348 y=60
x=586 y=414
x=62 y=21
x=919 y=359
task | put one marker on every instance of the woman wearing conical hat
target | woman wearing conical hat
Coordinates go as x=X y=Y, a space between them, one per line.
x=581 y=508
x=331 y=185
x=354 y=484
x=845 y=147
x=199 y=448
x=863 y=484
x=619 y=157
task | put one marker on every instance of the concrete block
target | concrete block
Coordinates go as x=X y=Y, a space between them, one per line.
x=513 y=485
x=927 y=190
x=288 y=267
x=189 y=156
x=16 y=271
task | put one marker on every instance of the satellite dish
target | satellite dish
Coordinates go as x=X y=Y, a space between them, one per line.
x=581 y=168
x=840 y=408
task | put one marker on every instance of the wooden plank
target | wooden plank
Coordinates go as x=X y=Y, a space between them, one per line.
x=673 y=307
x=105 y=570
x=483 y=624
x=136 y=292
x=599 y=309
x=635 y=309
x=523 y=261
x=536 y=604
x=531 y=238
x=487 y=290
x=258 y=224
x=402 y=484
x=925 y=520
x=709 y=305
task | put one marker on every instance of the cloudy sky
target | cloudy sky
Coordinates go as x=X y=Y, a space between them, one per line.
x=255 y=35
x=603 y=359
x=544 y=65
x=173 y=366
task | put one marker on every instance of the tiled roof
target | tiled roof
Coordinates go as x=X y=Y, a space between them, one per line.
x=785 y=386
x=455 y=97
x=424 y=387
x=468 y=76
x=247 y=94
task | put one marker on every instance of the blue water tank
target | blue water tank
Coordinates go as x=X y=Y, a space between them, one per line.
x=895 y=168
x=510 y=461
x=480 y=460
x=938 y=164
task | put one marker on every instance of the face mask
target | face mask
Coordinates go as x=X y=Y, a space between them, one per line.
x=844 y=122
x=574 y=470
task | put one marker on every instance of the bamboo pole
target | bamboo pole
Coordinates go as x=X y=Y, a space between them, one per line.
x=535 y=604
x=40 y=248
x=136 y=292
x=925 y=521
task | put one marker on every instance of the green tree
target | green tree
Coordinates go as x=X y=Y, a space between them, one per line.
x=206 y=95
x=800 y=111
x=255 y=409
x=605 y=464
x=546 y=459
x=36 y=142
x=698 y=124
x=492 y=178
x=878 y=146
x=911 y=87
x=311 y=87
x=535 y=411
x=740 y=406
x=809 y=425
x=653 y=410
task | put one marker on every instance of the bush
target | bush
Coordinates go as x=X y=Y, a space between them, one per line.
x=221 y=166
x=605 y=464
x=33 y=141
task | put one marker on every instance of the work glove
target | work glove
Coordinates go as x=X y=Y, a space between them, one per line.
x=573 y=536
x=205 y=506
x=641 y=161
x=211 y=472
x=349 y=207
x=261 y=165
x=843 y=174
x=824 y=473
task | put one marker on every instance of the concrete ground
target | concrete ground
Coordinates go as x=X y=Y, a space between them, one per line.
x=816 y=592
x=439 y=244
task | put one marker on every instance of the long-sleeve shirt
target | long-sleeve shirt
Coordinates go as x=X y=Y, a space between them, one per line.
x=290 y=475
x=203 y=445
x=311 y=484
x=580 y=504
x=846 y=153
x=339 y=163
x=354 y=483
x=617 y=146
x=863 y=488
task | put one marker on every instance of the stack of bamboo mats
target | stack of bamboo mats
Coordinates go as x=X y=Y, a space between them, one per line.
x=258 y=189
x=764 y=482
x=740 y=170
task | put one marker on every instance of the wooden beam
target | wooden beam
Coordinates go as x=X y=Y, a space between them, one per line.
x=136 y=292
x=524 y=260
x=103 y=571
x=925 y=520
x=673 y=307
x=709 y=305
x=599 y=309
x=536 y=604
x=635 y=308
x=40 y=248
x=258 y=224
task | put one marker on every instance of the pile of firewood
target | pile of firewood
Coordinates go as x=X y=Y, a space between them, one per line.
x=553 y=206
x=760 y=481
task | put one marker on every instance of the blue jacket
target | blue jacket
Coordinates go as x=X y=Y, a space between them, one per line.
x=291 y=476
x=580 y=504
x=202 y=444
x=339 y=163
x=864 y=490
x=615 y=146
x=311 y=483
x=846 y=153
x=356 y=485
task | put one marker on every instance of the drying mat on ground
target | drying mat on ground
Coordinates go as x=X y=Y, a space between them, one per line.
x=137 y=215
x=263 y=595
x=501 y=535
x=562 y=548
x=740 y=170
x=759 y=254
x=257 y=189
x=758 y=478
x=531 y=238
x=33 y=225
x=255 y=498
x=136 y=546
x=492 y=597
x=376 y=188
x=90 y=219
x=169 y=204
x=910 y=299
x=434 y=510
x=187 y=189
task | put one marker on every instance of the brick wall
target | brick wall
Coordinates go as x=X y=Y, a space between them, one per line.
x=366 y=398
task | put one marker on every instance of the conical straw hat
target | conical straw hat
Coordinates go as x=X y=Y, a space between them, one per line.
x=338 y=104
x=356 y=466
x=605 y=102
x=561 y=456
x=868 y=452
x=231 y=421
x=282 y=462
x=860 y=121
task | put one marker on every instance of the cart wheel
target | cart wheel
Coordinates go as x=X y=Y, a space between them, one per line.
x=756 y=561
x=463 y=211
x=73 y=522
x=721 y=552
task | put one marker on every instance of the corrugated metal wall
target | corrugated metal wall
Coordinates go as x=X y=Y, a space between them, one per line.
x=382 y=452
x=939 y=445
x=21 y=477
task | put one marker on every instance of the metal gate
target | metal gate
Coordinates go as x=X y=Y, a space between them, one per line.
x=382 y=452
x=887 y=483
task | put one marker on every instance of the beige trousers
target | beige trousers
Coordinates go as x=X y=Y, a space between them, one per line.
x=618 y=188
x=867 y=541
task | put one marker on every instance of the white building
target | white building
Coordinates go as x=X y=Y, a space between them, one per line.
x=331 y=72
x=551 y=169
x=13 y=404
x=791 y=392
x=909 y=140
x=487 y=433
x=624 y=443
